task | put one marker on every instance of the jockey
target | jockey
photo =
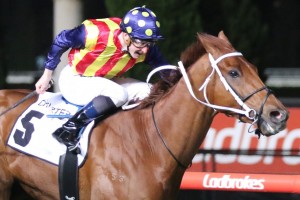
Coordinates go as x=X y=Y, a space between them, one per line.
x=101 y=51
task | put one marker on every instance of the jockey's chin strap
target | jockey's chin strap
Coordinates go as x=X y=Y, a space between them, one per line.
x=246 y=111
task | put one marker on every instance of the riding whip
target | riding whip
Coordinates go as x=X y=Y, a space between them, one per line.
x=28 y=96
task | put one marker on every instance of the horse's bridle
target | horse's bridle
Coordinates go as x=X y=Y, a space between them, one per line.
x=256 y=116
x=245 y=110
x=248 y=112
x=260 y=111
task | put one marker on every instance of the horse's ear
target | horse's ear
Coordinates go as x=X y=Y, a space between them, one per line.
x=205 y=40
x=222 y=36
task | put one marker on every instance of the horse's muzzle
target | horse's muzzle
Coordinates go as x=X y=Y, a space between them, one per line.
x=274 y=123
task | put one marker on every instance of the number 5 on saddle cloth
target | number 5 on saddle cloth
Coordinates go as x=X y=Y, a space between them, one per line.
x=32 y=132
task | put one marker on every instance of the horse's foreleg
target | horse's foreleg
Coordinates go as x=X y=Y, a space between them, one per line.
x=6 y=180
x=5 y=186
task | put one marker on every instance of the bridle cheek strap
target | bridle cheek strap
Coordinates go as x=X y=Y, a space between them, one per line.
x=248 y=112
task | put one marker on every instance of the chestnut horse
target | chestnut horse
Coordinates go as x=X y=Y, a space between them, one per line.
x=143 y=153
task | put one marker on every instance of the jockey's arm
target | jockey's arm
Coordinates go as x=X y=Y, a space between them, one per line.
x=74 y=38
x=155 y=59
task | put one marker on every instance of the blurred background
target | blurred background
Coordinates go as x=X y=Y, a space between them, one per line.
x=265 y=31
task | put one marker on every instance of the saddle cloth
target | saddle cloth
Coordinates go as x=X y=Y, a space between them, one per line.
x=32 y=132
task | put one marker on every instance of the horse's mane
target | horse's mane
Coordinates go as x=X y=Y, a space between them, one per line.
x=189 y=56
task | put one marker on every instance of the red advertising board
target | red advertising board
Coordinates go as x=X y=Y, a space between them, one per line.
x=241 y=182
x=230 y=134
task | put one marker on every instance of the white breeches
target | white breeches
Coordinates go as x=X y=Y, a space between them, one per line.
x=81 y=90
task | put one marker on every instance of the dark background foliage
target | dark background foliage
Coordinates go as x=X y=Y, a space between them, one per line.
x=265 y=31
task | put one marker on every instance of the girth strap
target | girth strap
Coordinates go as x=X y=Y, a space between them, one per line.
x=68 y=176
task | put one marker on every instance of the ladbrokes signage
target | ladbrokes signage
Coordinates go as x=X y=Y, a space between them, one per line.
x=230 y=134
x=228 y=182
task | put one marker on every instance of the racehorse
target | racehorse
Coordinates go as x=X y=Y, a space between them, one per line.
x=143 y=153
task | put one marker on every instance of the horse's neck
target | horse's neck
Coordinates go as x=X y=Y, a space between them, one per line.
x=183 y=121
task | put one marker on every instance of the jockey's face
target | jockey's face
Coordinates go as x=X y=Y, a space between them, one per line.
x=137 y=47
x=136 y=52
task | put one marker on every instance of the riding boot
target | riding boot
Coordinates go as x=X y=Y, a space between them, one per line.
x=69 y=133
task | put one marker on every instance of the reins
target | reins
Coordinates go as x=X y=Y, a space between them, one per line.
x=164 y=142
x=28 y=96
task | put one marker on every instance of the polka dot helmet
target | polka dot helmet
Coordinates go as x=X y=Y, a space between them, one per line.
x=141 y=23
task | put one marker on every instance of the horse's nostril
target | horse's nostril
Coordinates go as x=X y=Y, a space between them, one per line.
x=278 y=116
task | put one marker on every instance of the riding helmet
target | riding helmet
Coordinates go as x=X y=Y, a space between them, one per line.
x=141 y=23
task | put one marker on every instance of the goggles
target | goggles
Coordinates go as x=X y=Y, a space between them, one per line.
x=141 y=43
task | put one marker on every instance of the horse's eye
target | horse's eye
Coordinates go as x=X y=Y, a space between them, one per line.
x=234 y=74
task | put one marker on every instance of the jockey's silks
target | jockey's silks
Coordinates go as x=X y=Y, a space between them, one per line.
x=102 y=55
